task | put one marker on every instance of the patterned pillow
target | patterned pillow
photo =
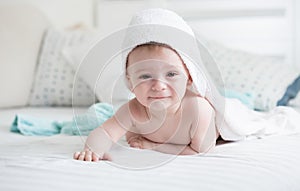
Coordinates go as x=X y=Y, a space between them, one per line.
x=263 y=77
x=54 y=83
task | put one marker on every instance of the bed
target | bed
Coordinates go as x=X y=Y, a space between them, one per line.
x=34 y=163
x=45 y=162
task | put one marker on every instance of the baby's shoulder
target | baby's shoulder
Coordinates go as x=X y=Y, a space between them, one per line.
x=131 y=108
x=195 y=102
x=191 y=97
x=128 y=107
x=127 y=112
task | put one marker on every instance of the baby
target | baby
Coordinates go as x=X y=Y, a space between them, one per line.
x=165 y=115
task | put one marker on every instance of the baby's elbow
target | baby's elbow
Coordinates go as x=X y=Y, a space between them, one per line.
x=206 y=148
x=188 y=151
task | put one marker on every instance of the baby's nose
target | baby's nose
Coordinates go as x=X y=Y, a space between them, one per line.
x=158 y=85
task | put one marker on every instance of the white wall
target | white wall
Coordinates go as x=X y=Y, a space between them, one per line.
x=255 y=26
x=62 y=13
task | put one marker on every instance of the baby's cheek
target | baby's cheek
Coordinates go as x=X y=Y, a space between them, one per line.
x=179 y=88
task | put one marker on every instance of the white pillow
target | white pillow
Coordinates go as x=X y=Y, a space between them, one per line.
x=54 y=82
x=265 y=78
x=21 y=31
x=104 y=76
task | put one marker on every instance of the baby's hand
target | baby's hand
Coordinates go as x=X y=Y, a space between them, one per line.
x=87 y=155
x=140 y=142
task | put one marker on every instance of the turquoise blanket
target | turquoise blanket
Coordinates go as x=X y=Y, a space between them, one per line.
x=79 y=125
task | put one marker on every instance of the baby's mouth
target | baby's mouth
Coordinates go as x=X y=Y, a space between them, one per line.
x=159 y=97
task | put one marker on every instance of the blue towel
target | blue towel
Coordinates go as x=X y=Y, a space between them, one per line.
x=84 y=124
x=79 y=125
x=28 y=125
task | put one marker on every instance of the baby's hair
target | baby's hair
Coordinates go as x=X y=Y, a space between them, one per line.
x=151 y=45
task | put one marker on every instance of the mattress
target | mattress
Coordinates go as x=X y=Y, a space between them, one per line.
x=45 y=163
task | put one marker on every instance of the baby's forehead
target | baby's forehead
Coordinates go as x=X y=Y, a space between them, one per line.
x=153 y=65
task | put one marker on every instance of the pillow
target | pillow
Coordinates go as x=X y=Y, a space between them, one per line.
x=21 y=33
x=263 y=77
x=102 y=74
x=54 y=83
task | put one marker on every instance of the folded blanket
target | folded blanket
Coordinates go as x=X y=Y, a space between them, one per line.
x=79 y=125
x=242 y=123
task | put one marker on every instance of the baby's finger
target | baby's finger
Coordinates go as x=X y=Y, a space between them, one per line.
x=95 y=157
x=88 y=156
x=81 y=155
x=131 y=143
x=132 y=139
x=135 y=144
x=76 y=155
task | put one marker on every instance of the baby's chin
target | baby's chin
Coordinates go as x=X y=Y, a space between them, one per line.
x=161 y=104
x=158 y=105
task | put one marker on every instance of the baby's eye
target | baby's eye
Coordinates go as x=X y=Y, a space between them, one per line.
x=171 y=74
x=144 y=76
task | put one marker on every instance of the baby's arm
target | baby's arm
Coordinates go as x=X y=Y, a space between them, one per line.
x=169 y=148
x=100 y=141
x=204 y=133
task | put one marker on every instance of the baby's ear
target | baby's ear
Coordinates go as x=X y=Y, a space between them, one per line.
x=128 y=83
x=190 y=81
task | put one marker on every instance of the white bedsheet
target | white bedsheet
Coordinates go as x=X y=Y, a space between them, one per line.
x=45 y=163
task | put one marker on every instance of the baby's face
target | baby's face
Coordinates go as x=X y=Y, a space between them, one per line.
x=156 y=74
